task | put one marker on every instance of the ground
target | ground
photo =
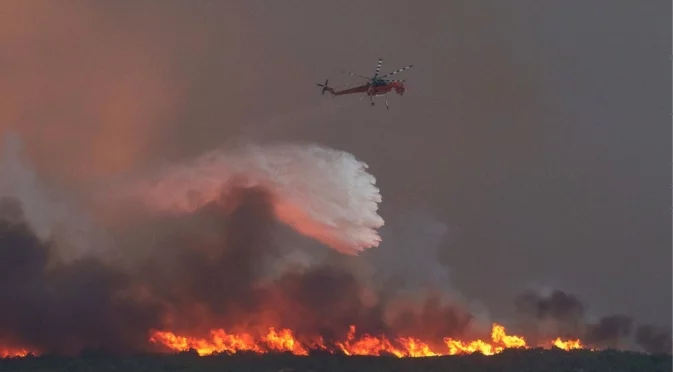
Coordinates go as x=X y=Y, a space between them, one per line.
x=511 y=360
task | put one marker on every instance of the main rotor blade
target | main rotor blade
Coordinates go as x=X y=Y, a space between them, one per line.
x=378 y=67
x=398 y=71
x=394 y=81
x=356 y=75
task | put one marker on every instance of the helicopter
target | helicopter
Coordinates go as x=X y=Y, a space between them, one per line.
x=374 y=87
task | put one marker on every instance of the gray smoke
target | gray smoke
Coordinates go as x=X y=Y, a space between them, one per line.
x=565 y=314
x=205 y=266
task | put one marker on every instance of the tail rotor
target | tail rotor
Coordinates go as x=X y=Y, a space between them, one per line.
x=325 y=87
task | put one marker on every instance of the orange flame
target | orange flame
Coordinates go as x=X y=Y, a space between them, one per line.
x=500 y=341
x=567 y=345
x=370 y=345
x=13 y=352
x=285 y=341
x=223 y=342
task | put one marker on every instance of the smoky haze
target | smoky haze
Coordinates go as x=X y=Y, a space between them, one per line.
x=532 y=133
x=208 y=269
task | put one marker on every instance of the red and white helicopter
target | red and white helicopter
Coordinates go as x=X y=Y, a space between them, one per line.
x=374 y=87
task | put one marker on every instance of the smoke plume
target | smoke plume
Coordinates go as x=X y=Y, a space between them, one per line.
x=562 y=313
x=64 y=309
x=654 y=339
x=17 y=180
x=213 y=228
x=214 y=258
x=206 y=271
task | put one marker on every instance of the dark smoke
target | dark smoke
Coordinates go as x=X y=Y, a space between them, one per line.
x=564 y=310
x=433 y=321
x=219 y=264
x=207 y=269
x=210 y=269
x=609 y=330
x=654 y=339
x=65 y=309
x=212 y=258
x=566 y=313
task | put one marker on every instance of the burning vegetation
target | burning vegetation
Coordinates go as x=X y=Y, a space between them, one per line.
x=365 y=344
x=202 y=290
x=210 y=273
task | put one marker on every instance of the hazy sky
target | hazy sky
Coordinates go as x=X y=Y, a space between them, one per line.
x=539 y=133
